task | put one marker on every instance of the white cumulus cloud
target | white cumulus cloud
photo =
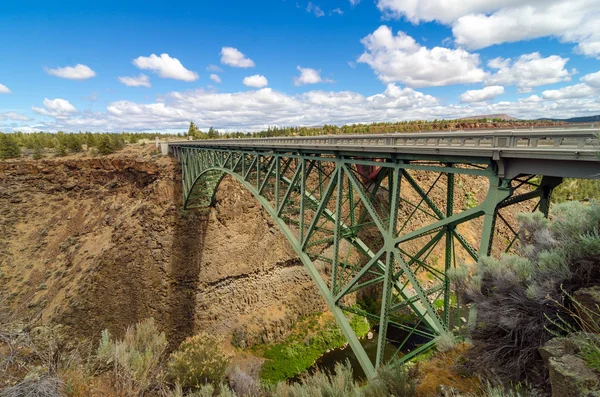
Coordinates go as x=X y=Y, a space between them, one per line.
x=77 y=72
x=140 y=81
x=588 y=88
x=58 y=108
x=445 y=11
x=233 y=57
x=484 y=94
x=258 y=109
x=13 y=116
x=529 y=70
x=4 y=89
x=251 y=110
x=215 y=78
x=166 y=67
x=257 y=81
x=482 y=23
x=309 y=76
x=570 y=92
x=401 y=58
x=531 y=98
x=592 y=79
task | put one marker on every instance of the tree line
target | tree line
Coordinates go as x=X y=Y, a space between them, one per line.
x=62 y=143
x=372 y=128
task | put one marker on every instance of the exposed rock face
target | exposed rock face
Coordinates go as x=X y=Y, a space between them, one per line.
x=570 y=377
x=569 y=374
x=97 y=243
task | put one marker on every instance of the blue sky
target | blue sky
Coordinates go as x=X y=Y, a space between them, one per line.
x=292 y=62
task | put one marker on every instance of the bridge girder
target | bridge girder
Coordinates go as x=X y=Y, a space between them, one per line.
x=385 y=234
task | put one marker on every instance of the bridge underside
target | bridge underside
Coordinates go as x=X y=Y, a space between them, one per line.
x=376 y=232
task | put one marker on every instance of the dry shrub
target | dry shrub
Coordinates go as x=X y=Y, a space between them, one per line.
x=243 y=384
x=390 y=381
x=445 y=369
x=46 y=386
x=519 y=299
x=136 y=360
x=199 y=360
x=445 y=341
x=322 y=383
x=29 y=352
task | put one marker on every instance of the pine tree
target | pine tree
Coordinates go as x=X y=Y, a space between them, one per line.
x=212 y=133
x=9 y=148
x=193 y=130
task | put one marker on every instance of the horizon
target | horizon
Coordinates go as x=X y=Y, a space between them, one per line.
x=149 y=66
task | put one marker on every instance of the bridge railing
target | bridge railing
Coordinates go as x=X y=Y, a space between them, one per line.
x=585 y=138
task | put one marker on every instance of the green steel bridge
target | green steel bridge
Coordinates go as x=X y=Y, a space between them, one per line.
x=389 y=213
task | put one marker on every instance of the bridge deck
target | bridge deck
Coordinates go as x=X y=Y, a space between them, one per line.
x=563 y=152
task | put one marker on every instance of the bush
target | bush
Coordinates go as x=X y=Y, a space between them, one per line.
x=520 y=299
x=322 y=383
x=490 y=390
x=104 y=145
x=9 y=147
x=39 y=387
x=61 y=150
x=446 y=341
x=136 y=359
x=109 y=143
x=242 y=384
x=390 y=381
x=73 y=143
x=38 y=152
x=199 y=360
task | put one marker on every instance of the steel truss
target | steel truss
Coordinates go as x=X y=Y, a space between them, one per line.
x=384 y=236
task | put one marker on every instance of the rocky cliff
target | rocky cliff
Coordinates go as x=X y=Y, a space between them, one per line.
x=95 y=243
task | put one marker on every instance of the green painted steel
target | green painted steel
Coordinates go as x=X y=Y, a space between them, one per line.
x=380 y=237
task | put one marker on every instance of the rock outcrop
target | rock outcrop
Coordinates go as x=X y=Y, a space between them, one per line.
x=569 y=374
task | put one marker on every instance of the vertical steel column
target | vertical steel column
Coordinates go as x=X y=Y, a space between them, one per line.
x=337 y=227
x=302 y=194
x=388 y=278
x=277 y=179
x=500 y=189
x=257 y=170
x=449 y=244
x=547 y=186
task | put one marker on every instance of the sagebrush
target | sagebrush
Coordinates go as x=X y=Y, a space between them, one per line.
x=519 y=298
